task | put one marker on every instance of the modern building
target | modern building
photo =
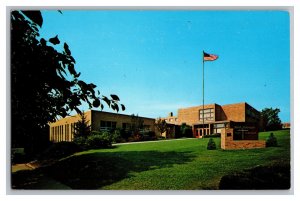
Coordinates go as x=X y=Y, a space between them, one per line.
x=243 y=118
x=63 y=129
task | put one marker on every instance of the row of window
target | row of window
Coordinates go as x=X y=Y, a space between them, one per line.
x=110 y=125
x=66 y=132
x=207 y=114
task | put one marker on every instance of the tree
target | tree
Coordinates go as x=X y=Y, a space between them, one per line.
x=136 y=125
x=186 y=130
x=44 y=82
x=82 y=127
x=270 y=119
x=161 y=125
x=271 y=141
x=211 y=145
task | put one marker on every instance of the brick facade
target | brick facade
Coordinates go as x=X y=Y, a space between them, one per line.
x=216 y=117
x=63 y=129
x=227 y=142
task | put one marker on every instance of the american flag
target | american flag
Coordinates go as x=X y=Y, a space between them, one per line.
x=209 y=57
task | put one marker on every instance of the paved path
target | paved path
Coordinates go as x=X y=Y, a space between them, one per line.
x=18 y=167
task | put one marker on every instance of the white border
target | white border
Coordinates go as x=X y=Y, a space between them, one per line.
x=218 y=3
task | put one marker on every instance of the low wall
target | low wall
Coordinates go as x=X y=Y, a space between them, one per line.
x=245 y=144
x=227 y=141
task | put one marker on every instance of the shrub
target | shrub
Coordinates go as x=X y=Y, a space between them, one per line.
x=215 y=135
x=116 y=136
x=186 y=130
x=150 y=135
x=99 y=140
x=60 y=150
x=272 y=176
x=271 y=141
x=81 y=142
x=18 y=155
x=211 y=145
x=125 y=134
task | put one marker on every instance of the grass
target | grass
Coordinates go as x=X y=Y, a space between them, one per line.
x=164 y=165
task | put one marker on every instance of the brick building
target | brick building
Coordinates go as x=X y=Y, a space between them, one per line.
x=63 y=129
x=243 y=118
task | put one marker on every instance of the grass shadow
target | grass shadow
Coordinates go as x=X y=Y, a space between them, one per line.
x=94 y=170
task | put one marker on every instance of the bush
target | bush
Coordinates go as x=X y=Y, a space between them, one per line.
x=60 y=150
x=272 y=176
x=215 y=135
x=81 y=142
x=116 y=136
x=211 y=145
x=18 y=155
x=125 y=134
x=99 y=140
x=186 y=130
x=150 y=135
x=271 y=141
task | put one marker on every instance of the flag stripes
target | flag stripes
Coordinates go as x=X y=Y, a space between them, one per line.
x=209 y=57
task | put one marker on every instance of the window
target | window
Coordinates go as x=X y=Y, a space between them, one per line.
x=208 y=114
x=219 y=125
x=108 y=125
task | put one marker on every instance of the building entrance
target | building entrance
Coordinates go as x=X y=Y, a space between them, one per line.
x=199 y=131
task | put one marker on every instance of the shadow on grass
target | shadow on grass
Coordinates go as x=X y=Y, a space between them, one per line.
x=94 y=170
x=268 y=177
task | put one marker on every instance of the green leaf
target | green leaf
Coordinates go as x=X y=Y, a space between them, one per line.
x=77 y=110
x=115 y=107
x=106 y=100
x=67 y=50
x=96 y=103
x=123 y=107
x=34 y=16
x=54 y=40
x=114 y=97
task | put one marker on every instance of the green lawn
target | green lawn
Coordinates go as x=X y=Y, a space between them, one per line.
x=164 y=165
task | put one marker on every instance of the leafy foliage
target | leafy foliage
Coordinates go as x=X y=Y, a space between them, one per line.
x=99 y=140
x=273 y=176
x=81 y=142
x=215 y=135
x=137 y=123
x=186 y=130
x=211 y=145
x=59 y=150
x=44 y=82
x=116 y=136
x=82 y=127
x=271 y=141
x=271 y=120
x=161 y=125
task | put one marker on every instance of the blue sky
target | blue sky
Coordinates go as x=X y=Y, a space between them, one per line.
x=153 y=59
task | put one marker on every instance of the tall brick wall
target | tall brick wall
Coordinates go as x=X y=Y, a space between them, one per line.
x=235 y=112
x=191 y=115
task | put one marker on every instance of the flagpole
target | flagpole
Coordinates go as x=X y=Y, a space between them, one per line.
x=203 y=96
